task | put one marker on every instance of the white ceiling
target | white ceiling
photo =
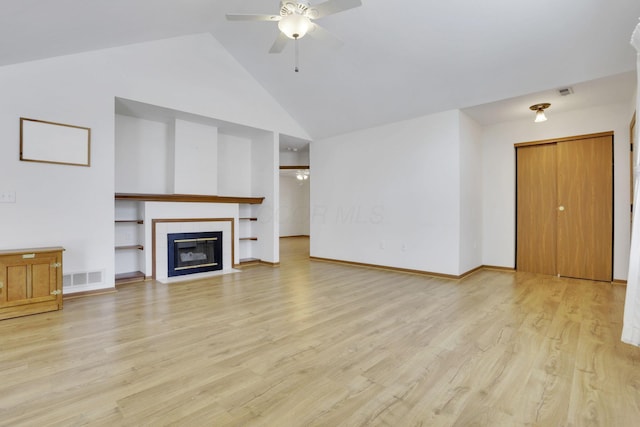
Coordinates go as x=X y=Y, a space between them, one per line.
x=607 y=90
x=400 y=59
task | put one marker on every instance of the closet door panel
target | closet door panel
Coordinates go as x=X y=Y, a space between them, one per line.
x=536 y=214
x=585 y=208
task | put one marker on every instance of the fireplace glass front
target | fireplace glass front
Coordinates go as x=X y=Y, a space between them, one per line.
x=190 y=253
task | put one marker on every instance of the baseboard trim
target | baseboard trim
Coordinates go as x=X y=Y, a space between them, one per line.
x=470 y=272
x=270 y=264
x=402 y=270
x=255 y=262
x=619 y=282
x=89 y=293
x=498 y=268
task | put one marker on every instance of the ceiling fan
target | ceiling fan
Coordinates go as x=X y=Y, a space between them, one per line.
x=295 y=20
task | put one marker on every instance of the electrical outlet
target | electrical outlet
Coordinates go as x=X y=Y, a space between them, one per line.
x=7 y=196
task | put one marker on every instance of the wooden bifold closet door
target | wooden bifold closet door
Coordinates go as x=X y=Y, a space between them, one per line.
x=565 y=207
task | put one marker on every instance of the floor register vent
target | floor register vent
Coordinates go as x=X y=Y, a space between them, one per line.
x=82 y=278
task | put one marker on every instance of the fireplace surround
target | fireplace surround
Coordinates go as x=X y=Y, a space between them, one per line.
x=162 y=226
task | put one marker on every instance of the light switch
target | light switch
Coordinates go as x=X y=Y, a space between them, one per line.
x=7 y=196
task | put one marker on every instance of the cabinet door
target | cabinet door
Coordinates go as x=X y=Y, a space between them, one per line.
x=28 y=280
x=15 y=282
x=585 y=208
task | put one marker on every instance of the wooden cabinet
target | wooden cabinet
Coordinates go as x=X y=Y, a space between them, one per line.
x=30 y=281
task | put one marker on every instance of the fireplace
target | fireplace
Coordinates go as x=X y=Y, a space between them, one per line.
x=190 y=253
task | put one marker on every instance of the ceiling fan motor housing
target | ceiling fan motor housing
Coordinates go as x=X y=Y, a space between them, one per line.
x=300 y=7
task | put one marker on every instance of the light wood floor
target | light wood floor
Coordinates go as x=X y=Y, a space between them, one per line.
x=314 y=343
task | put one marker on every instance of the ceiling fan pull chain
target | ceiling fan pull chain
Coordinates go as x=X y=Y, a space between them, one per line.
x=295 y=42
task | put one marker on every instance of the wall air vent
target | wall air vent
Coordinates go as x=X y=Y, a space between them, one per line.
x=82 y=278
x=565 y=91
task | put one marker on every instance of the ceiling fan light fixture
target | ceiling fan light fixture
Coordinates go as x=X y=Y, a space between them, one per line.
x=294 y=25
x=539 y=109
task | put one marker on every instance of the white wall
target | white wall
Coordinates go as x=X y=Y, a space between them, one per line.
x=294 y=158
x=73 y=206
x=265 y=182
x=389 y=195
x=234 y=166
x=143 y=163
x=59 y=205
x=437 y=193
x=470 y=194
x=294 y=206
x=196 y=158
x=146 y=159
x=498 y=157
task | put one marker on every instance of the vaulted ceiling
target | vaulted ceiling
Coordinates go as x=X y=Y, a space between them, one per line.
x=399 y=60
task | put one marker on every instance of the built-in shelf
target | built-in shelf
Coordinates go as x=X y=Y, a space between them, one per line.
x=249 y=219
x=135 y=276
x=129 y=221
x=130 y=247
x=294 y=167
x=248 y=238
x=196 y=198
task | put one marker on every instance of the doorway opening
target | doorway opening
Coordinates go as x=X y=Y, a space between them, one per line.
x=295 y=189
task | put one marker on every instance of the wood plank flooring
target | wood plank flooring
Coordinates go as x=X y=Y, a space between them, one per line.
x=319 y=344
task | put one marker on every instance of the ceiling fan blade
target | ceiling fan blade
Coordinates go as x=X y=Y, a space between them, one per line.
x=330 y=7
x=317 y=32
x=279 y=44
x=241 y=17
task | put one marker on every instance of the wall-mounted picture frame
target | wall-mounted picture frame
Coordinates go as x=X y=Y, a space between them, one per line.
x=58 y=143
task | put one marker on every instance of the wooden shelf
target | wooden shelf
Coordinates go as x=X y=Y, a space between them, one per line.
x=249 y=219
x=302 y=167
x=135 y=276
x=197 y=198
x=248 y=238
x=130 y=247
x=129 y=221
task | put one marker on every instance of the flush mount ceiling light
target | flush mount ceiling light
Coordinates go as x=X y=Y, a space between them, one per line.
x=539 y=109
